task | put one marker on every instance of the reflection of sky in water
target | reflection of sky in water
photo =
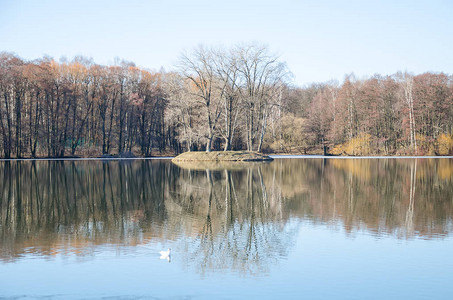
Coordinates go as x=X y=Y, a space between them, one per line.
x=321 y=264
x=348 y=229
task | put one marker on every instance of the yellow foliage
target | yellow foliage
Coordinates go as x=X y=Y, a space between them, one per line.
x=338 y=150
x=444 y=144
x=359 y=145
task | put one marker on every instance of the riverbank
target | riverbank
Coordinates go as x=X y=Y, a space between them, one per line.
x=272 y=156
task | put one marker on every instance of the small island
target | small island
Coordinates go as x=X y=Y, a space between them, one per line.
x=221 y=156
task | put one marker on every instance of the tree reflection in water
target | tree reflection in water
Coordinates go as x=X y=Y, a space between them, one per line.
x=239 y=219
x=232 y=216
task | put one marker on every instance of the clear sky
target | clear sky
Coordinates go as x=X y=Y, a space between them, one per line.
x=319 y=39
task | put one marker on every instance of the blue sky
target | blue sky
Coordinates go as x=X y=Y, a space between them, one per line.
x=320 y=40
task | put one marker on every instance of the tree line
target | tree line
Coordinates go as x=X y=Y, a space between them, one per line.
x=216 y=99
x=397 y=114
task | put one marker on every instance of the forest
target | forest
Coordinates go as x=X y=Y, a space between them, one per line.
x=234 y=98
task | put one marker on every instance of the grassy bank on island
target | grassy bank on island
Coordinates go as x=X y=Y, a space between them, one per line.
x=221 y=156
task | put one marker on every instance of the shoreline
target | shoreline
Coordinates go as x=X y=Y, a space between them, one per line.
x=275 y=156
x=358 y=157
x=86 y=158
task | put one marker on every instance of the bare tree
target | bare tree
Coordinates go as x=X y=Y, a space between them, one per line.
x=262 y=76
x=198 y=67
x=227 y=70
x=182 y=109
x=407 y=85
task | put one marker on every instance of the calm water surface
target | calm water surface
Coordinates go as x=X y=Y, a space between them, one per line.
x=290 y=229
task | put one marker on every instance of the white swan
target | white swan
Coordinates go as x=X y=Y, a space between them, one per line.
x=165 y=254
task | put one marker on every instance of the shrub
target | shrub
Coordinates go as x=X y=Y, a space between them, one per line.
x=359 y=145
x=444 y=144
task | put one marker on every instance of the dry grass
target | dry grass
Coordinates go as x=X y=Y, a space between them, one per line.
x=222 y=156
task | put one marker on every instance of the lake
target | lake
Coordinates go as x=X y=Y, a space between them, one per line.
x=294 y=228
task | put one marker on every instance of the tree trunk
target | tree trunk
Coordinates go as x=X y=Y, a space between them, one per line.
x=209 y=144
